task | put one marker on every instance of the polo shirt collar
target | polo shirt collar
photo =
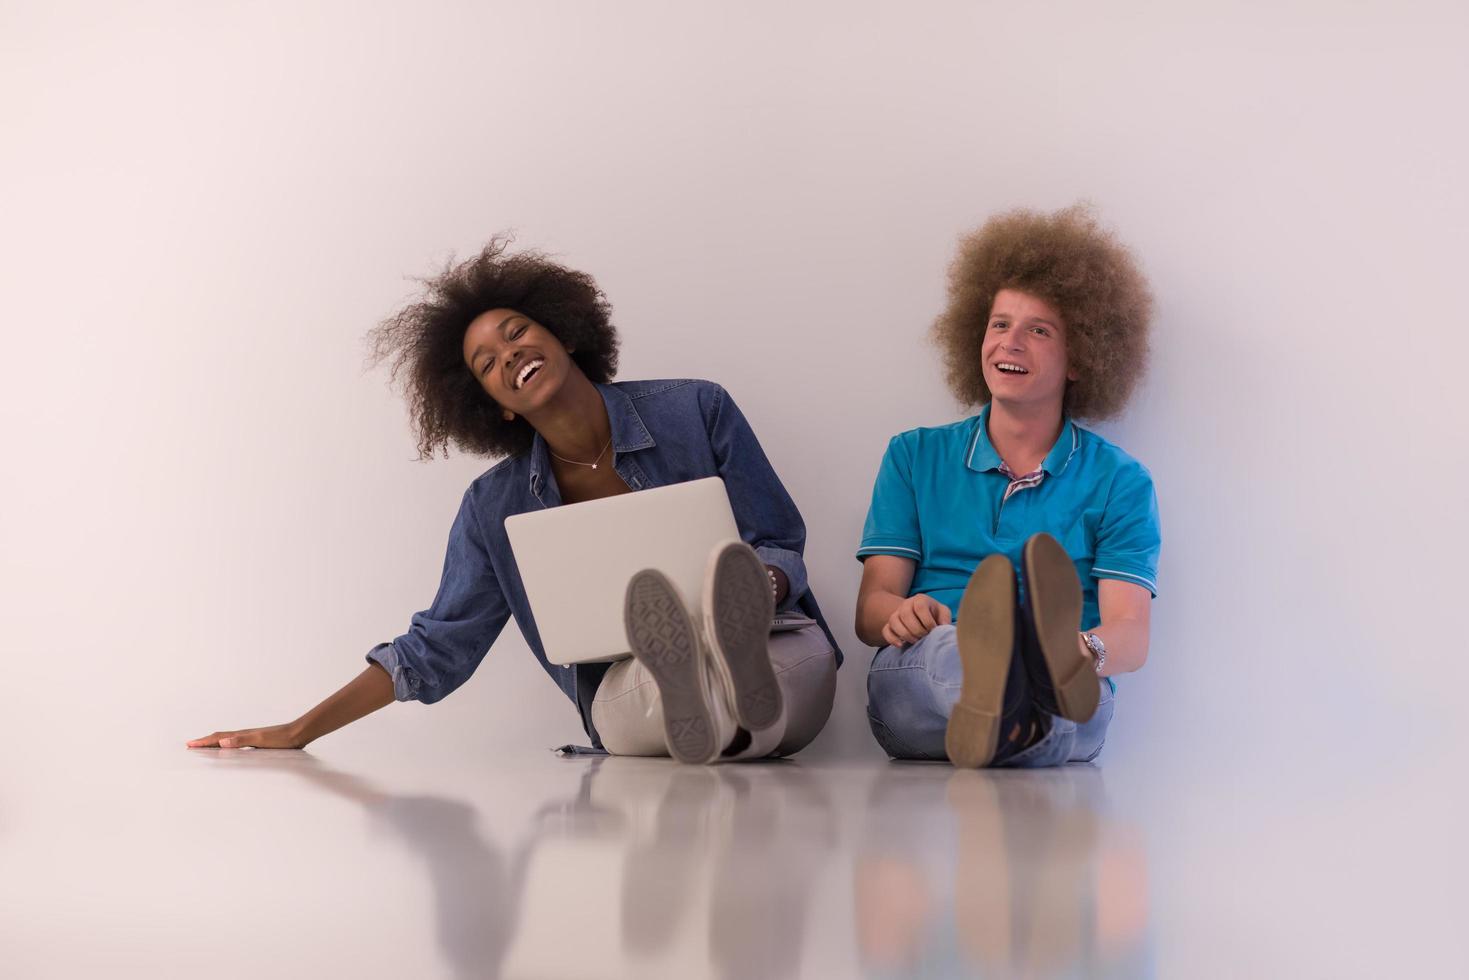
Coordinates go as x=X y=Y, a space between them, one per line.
x=982 y=457
x=628 y=434
x=1065 y=447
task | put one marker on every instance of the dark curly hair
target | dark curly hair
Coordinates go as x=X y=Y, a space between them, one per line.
x=426 y=340
x=1069 y=261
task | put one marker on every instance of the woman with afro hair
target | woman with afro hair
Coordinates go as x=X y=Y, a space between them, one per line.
x=1010 y=558
x=513 y=355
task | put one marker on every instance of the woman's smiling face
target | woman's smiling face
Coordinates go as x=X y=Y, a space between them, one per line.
x=519 y=363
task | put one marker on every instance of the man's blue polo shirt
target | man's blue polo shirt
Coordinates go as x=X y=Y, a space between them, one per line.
x=940 y=500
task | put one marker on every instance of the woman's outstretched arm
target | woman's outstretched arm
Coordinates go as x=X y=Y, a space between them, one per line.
x=364 y=694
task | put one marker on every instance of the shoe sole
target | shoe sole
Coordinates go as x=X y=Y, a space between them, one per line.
x=986 y=633
x=738 y=610
x=664 y=639
x=1055 y=605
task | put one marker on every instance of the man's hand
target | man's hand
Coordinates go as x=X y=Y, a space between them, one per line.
x=274 y=737
x=914 y=619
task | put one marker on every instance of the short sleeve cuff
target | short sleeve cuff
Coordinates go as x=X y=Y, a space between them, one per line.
x=888 y=545
x=405 y=681
x=1145 y=577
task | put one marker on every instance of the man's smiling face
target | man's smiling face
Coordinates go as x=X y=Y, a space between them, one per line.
x=1024 y=350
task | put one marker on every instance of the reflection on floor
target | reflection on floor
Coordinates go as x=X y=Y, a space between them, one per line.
x=654 y=869
x=249 y=864
x=1001 y=873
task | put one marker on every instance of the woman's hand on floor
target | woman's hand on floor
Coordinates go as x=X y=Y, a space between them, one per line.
x=274 y=737
x=368 y=691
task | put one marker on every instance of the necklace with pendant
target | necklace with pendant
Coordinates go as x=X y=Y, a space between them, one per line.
x=573 y=462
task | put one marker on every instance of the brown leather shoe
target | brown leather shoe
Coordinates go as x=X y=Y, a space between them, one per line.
x=1053 y=602
x=986 y=634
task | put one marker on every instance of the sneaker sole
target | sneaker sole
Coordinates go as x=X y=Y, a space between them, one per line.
x=664 y=639
x=738 y=609
x=1055 y=604
x=986 y=632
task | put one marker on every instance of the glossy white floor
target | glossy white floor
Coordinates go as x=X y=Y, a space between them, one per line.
x=164 y=862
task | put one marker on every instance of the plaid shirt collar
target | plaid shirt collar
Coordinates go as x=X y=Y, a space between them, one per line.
x=1018 y=483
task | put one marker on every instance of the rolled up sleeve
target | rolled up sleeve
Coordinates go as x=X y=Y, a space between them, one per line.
x=445 y=643
x=405 y=684
x=766 y=515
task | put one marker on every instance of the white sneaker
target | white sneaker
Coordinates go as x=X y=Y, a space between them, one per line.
x=697 y=721
x=738 y=609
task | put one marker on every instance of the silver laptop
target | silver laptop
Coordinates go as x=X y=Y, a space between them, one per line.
x=575 y=560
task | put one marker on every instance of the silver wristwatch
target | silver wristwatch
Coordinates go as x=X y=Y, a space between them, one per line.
x=1097 y=647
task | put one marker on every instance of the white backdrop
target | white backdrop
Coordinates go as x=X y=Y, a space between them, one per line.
x=211 y=510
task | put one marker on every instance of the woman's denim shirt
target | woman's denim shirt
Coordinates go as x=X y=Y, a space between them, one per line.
x=663 y=432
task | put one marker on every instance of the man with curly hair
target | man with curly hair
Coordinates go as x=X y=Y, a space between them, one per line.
x=1010 y=559
x=513 y=355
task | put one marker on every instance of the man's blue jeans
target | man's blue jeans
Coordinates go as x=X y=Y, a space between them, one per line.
x=912 y=690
